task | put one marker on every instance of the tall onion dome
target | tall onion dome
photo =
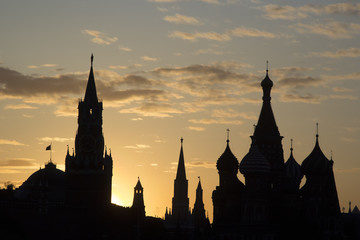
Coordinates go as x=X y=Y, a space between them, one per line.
x=227 y=165
x=316 y=164
x=293 y=172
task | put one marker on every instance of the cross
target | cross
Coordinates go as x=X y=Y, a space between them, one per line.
x=228 y=131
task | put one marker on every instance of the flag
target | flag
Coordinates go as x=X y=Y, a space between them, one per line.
x=48 y=148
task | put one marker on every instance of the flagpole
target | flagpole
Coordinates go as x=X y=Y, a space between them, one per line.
x=51 y=152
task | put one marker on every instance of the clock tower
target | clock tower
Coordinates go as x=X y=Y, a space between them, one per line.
x=89 y=169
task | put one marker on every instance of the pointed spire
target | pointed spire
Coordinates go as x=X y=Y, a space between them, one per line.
x=228 y=136
x=67 y=151
x=180 y=174
x=199 y=185
x=90 y=94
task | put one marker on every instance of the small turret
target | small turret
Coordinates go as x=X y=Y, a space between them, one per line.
x=138 y=202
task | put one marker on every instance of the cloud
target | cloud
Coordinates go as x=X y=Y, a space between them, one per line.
x=10 y=142
x=333 y=29
x=287 y=12
x=55 y=139
x=304 y=98
x=153 y=110
x=222 y=37
x=298 y=82
x=125 y=49
x=65 y=90
x=147 y=58
x=18 y=162
x=200 y=35
x=201 y=164
x=208 y=51
x=231 y=113
x=182 y=19
x=47 y=65
x=99 y=37
x=20 y=106
x=198 y=129
x=344 y=97
x=138 y=146
x=340 y=53
x=342 y=90
x=216 y=121
x=154 y=164
x=273 y=11
x=250 y=32
x=348 y=9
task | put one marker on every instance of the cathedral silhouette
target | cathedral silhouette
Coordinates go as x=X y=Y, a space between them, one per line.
x=270 y=205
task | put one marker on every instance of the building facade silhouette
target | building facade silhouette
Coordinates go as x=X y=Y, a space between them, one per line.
x=270 y=205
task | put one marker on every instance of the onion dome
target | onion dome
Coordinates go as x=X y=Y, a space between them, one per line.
x=254 y=162
x=267 y=83
x=292 y=168
x=48 y=181
x=316 y=163
x=227 y=162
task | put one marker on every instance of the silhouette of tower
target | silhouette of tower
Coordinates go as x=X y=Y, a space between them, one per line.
x=267 y=136
x=199 y=210
x=88 y=170
x=293 y=174
x=180 y=201
x=138 y=202
x=319 y=194
x=226 y=196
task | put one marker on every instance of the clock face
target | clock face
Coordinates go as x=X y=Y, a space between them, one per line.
x=87 y=143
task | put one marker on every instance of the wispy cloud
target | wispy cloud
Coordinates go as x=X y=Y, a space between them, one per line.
x=333 y=29
x=250 y=32
x=215 y=121
x=200 y=35
x=46 y=65
x=198 y=129
x=162 y=1
x=55 y=139
x=18 y=162
x=99 y=37
x=222 y=37
x=201 y=164
x=138 y=146
x=10 y=142
x=287 y=12
x=147 y=58
x=125 y=49
x=304 y=98
x=153 y=110
x=182 y=19
x=340 y=53
x=20 y=106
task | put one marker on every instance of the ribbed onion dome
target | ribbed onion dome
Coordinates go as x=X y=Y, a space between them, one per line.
x=227 y=161
x=267 y=83
x=254 y=162
x=316 y=163
x=292 y=168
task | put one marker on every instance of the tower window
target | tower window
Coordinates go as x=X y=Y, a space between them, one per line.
x=91 y=111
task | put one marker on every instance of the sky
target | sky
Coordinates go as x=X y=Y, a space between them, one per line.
x=171 y=69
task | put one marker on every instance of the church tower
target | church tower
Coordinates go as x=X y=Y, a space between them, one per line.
x=267 y=136
x=138 y=202
x=180 y=201
x=89 y=170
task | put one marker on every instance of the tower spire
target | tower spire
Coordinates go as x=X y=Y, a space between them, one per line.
x=90 y=94
x=180 y=174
